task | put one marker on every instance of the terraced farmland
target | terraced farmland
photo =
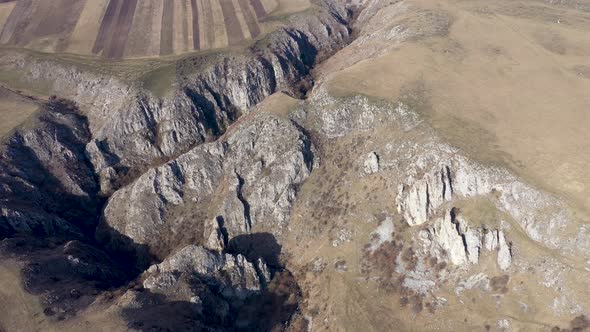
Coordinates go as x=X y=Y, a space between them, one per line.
x=133 y=28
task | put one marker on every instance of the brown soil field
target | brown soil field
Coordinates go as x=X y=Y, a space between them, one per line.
x=118 y=29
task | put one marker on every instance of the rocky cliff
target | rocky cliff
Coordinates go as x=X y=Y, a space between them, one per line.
x=199 y=205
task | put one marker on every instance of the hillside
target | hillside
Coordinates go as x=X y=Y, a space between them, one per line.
x=337 y=165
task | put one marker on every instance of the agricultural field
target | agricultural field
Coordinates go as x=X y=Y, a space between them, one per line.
x=118 y=29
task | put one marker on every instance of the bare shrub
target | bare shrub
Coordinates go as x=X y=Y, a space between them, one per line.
x=500 y=283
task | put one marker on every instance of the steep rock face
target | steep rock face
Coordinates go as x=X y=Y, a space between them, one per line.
x=463 y=243
x=215 y=191
x=208 y=102
x=233 y=276
x=422 y=199
x=504 y=255
x=132 y=129
x=47 y=185
x=371 y=164
x=543 y=217
x=447 y=235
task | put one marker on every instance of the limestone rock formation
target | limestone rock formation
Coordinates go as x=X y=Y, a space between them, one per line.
x=217 y=190
x=463 y=243
x=446 y=234
x=235 y=277
x=207 y=204
x=46 y=183
x=491 y=240
x=371 y=164
x=504 y=253
x=472 y=239
x=419 y=198
x=423 y=199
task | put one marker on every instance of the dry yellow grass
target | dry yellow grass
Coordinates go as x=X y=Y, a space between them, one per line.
x=20 y=310
x=511 y=97
x=278 y=103
x=14 y=110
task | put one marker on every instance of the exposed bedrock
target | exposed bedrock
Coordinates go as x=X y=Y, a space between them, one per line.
x=463 y=243
x=47 y=186
x=248 y=179
x=543 y=217
x=133 y=129
x=432 y=177
x=233 y=277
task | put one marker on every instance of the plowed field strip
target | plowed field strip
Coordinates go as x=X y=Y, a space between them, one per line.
x=167 y=37
x=156 y=33
x=241 y=19
x=16 y=21
x=104 y=32
x=121 y=29
x=250 y=20
x=270 y=5
x=232 y=25
x=258 y=9
x=219 y=29
x=179 y=18
x=207 y=27
x=50 y=21
x=187 y=26
x=140 y=35
x=87 y=27
x=196 y=32
x=5 y=10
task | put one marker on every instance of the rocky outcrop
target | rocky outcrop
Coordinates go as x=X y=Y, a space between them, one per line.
x=133 y=129
x=215 y=191
x=456 y=178
x=231 y=276
x=463 y=244
x=47 y=186
x=448 y=236
x=542 y=216
x=472 y=239
x=504 y=253
x=371 y=164
x=422 y=200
